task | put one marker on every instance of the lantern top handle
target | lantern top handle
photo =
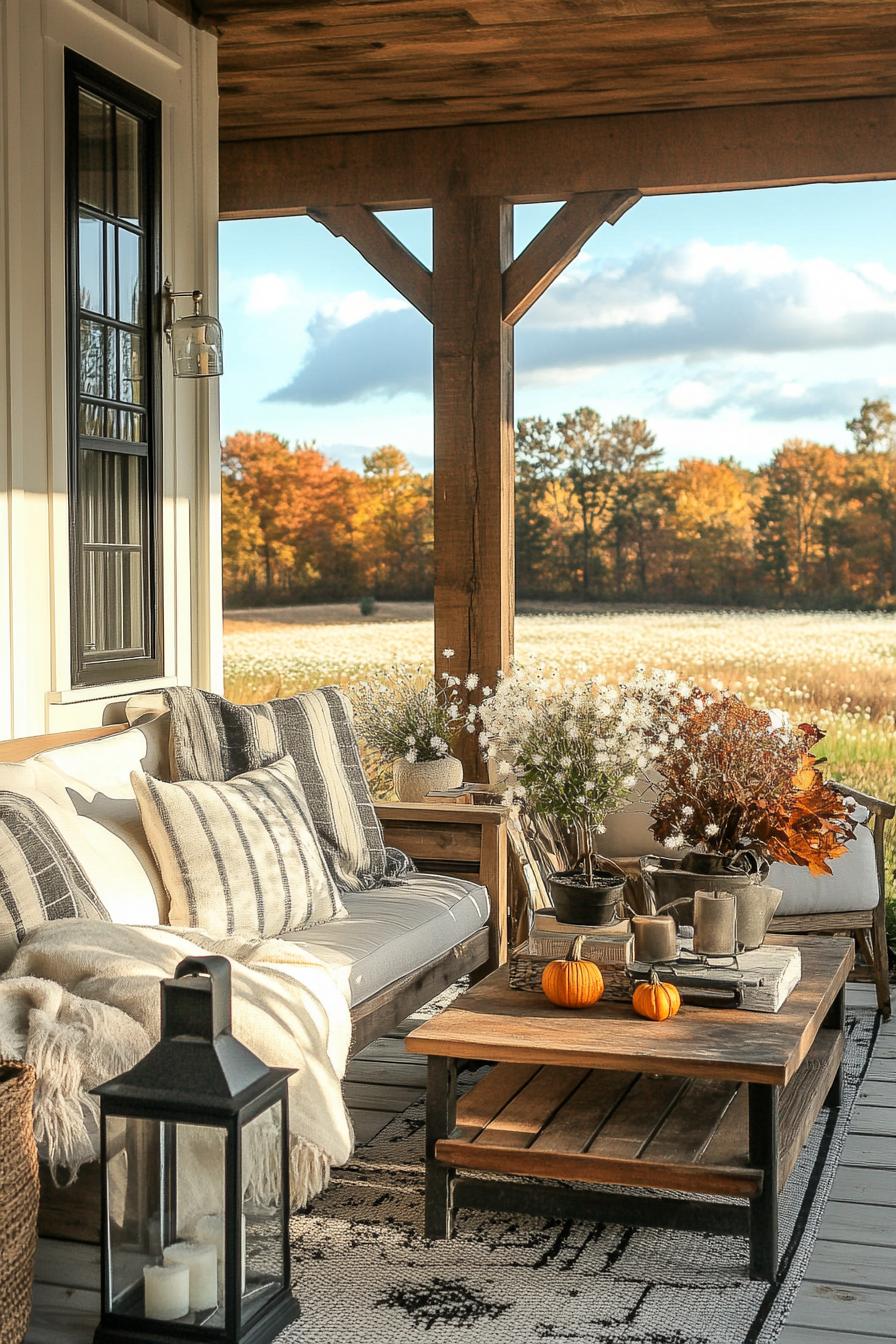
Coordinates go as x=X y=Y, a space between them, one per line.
x=218 y=968
x=204 y=1008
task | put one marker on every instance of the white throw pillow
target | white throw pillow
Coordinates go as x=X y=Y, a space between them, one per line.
x=239 y=856
x=95 y=779
x=89 y=842
x=40 y=877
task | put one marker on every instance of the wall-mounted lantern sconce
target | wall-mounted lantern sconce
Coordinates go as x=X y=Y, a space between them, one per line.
x=196 y=340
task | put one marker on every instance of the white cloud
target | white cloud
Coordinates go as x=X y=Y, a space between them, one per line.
x=698 y=302
x=271 y=292
x=691 y=394
x=348 y=309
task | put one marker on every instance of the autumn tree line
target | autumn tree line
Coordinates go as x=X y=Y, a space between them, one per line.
x=599 y=517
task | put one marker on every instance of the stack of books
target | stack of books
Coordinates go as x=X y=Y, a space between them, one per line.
x=760 y=981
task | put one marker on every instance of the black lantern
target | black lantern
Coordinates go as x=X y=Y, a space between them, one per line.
x=195 y=1180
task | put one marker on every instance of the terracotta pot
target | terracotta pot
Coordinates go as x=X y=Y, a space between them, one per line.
x=413 y=780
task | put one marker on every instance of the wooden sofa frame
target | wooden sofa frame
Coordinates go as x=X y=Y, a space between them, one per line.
x=463 y=839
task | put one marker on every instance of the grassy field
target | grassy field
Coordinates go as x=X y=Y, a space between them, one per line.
x=836 y=668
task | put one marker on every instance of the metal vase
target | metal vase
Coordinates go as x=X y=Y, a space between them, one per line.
x=755 y=910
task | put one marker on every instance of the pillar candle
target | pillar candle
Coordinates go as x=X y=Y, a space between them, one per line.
x=166 y=1292
x=210 y=1227
x=715 y=916
x=201 y=1259
x=655 y=938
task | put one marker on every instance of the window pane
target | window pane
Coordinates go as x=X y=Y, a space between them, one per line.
x=128 y=135
x=94 y=140
x=92 y=420
x=111 y=272
x=130 y=277
x=262 y=1214
x=131 y=367
x=111 y=498
x=90 y=263
x=131 y=426
x=93 y=358
x=111 y=363
x=112 y=601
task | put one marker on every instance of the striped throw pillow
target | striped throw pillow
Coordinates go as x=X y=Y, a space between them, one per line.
x=239 y=856
x=40 y=878
x=214 y=739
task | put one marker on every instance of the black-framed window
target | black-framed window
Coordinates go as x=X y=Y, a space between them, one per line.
x=113 y=135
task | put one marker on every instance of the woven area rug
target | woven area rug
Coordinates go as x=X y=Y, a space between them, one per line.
x=364 y=1274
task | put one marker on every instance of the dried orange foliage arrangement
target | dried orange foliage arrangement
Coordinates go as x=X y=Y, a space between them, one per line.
x=736 y=778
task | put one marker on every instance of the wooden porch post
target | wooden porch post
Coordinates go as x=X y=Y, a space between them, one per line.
x=474 y=453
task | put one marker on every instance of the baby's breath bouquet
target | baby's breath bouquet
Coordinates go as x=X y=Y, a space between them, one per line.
x=570 y=752
x=404 y=715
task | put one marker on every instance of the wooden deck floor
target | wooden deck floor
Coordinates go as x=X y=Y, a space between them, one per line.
x=847 y=1297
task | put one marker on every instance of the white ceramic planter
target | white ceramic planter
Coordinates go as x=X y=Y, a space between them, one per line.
x=413 y=780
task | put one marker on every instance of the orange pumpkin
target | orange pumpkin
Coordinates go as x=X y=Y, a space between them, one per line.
x=572 y=982
x=656 y=999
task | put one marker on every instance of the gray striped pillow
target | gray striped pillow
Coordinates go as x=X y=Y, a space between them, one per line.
x=40 y=878
x=239 y=856
x=214 y=739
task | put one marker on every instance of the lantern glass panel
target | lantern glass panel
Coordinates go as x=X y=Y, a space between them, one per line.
x=263 y=1196
x=165 y=1187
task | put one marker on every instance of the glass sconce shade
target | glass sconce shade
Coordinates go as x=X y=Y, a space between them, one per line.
x=195 y=1172
x=196 y=347
x=196 y=340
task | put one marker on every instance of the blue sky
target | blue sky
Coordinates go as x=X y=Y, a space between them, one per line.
x=729 y=321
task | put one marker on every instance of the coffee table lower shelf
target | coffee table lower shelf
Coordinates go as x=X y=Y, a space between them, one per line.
x=644 y=1131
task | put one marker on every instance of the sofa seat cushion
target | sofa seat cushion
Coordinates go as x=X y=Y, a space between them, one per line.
x=391 y=932
x=852 y=884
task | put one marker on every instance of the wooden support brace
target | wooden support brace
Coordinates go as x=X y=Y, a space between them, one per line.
x=560 y=242
x=378 y=245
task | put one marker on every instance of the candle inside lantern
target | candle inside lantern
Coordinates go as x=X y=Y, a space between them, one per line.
x=210 y=1228
x=166 y=1292
x=655 y=938
x=201 y=1260
x=715 y=920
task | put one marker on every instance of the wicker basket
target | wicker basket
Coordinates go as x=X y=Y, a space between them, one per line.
x=525 y=973
x=18 y=1199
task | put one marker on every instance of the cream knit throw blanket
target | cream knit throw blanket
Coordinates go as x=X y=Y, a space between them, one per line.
x=81 y=1003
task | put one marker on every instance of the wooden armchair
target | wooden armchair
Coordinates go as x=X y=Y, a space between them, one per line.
x=868 y=926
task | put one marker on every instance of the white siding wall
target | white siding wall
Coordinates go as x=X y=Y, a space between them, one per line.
x=147 y=45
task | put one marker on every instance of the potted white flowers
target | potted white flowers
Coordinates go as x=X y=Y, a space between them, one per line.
x=571 y=752
x=411 y=721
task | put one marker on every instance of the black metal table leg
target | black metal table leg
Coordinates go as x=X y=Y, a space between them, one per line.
x=441 y=1112
x=836 y=1018
x=763 y=1100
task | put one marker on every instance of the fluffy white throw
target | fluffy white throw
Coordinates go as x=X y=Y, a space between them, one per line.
x=81 y=1003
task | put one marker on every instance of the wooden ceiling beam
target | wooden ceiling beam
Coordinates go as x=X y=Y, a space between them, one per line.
x=708 y=149
x=378 y=245
x=560 y=242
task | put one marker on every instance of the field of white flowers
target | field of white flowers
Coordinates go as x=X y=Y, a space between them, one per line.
x=835 y=668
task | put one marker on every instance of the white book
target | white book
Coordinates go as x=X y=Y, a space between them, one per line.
x=764 y=978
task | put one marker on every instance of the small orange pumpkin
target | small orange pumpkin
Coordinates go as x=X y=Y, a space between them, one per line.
x=656 y=999
x=572 y=982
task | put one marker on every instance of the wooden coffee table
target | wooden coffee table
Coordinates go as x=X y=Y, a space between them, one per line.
x=716 y=1101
